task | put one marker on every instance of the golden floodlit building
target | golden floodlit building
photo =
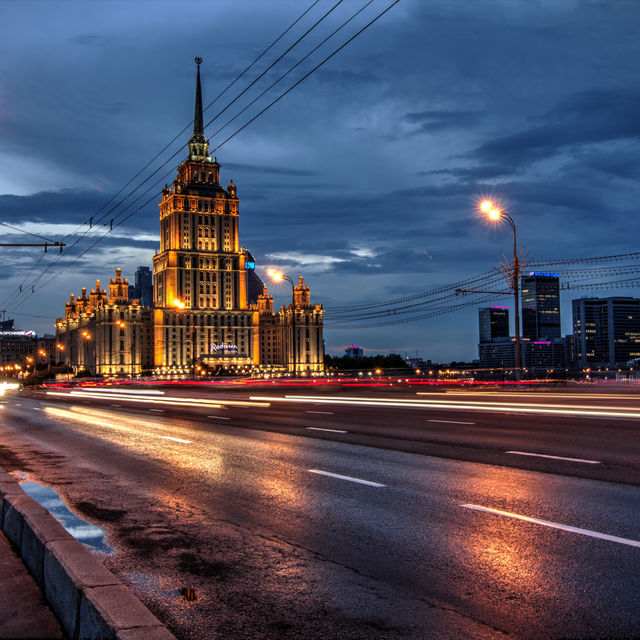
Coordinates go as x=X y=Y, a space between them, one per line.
x=203 y=315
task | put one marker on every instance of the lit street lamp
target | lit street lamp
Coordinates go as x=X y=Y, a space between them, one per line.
x=496 y=214
x=278 y=276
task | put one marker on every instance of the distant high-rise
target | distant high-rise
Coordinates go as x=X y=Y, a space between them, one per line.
x=540 y=294
x=493 y=323
x=353 y=351
x=255 y=286
x=144 y=286
x=606 y=331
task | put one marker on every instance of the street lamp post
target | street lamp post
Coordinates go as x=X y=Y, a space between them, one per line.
x=496 y=214
x=278 y=276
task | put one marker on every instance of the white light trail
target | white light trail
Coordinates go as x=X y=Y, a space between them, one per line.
x=554 y=525
x=128 y=392
x=534 y=394
x=322 y=429
x=493 y=407
x=164 y=400
x=61 y=413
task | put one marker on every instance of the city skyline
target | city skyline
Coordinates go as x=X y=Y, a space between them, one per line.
x=364 y=178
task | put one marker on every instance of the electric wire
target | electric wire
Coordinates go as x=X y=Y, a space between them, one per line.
x=112 y=226
x=304 y=77
x=296 y=65
x=104 y=216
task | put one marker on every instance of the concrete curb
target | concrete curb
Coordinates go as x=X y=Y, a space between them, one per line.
x=89 y=601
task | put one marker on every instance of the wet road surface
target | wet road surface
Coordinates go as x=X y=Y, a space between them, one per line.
x=282 y=535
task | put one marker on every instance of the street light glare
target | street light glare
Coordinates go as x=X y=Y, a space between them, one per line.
x=486 y=206
x=489 y=208
x=276 y=276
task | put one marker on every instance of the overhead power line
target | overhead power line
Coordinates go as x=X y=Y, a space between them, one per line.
x=115 y=222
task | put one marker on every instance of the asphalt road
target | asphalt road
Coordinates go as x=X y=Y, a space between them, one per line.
x=285 y=530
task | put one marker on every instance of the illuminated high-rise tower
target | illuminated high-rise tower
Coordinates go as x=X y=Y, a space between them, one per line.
x=210 y=309
x=200 y=291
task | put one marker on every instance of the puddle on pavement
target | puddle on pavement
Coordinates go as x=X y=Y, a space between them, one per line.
x=87 y=533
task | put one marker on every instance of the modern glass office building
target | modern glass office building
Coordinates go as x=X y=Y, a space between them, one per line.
x=540 y=295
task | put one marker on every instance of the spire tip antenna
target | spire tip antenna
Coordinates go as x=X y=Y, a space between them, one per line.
x=198 y=60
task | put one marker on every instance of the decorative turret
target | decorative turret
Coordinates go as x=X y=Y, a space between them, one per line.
x=118 y=289
x=265 y=302
x=198 y=145
x=301 y=295
x=70 y=307
x=97 y=297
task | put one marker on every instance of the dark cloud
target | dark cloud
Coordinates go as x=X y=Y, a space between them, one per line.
x=69 y=206
x=588 y=117
x=434 y=120
x=268 y=170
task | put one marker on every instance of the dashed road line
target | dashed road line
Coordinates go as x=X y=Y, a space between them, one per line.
x=323 y=429
x=348 y=478
x=544 y=455
x=452 y=421
x=176 y=439
x=157 y=410
x=555 y=525
x=219 y=417
x=326 y=413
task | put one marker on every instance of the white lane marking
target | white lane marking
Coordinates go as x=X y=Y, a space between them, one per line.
x=176 y=439
x=451 y=421
x=157 y=410
x=555 y=525
x=219 y=417
x=543 y=455
x=321 y=429
x=349 y=478
x=326 y=413
x=18 y=404
x=115 y=405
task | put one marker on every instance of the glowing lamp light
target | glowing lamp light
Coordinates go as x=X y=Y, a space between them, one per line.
x=490 y=209
x=178 y=304
x=486 y=206
x=276 y=276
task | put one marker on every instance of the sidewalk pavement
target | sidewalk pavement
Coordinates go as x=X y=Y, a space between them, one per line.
x=24 y=614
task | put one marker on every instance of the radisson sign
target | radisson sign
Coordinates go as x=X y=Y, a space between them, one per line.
x=17 y=334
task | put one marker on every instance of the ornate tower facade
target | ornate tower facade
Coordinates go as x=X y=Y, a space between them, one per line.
x=200 y=283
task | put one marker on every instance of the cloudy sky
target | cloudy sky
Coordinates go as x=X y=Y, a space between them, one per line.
x=364 y=178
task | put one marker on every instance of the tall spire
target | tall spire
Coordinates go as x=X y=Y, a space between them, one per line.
x=198 y=145
x=198 y=127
